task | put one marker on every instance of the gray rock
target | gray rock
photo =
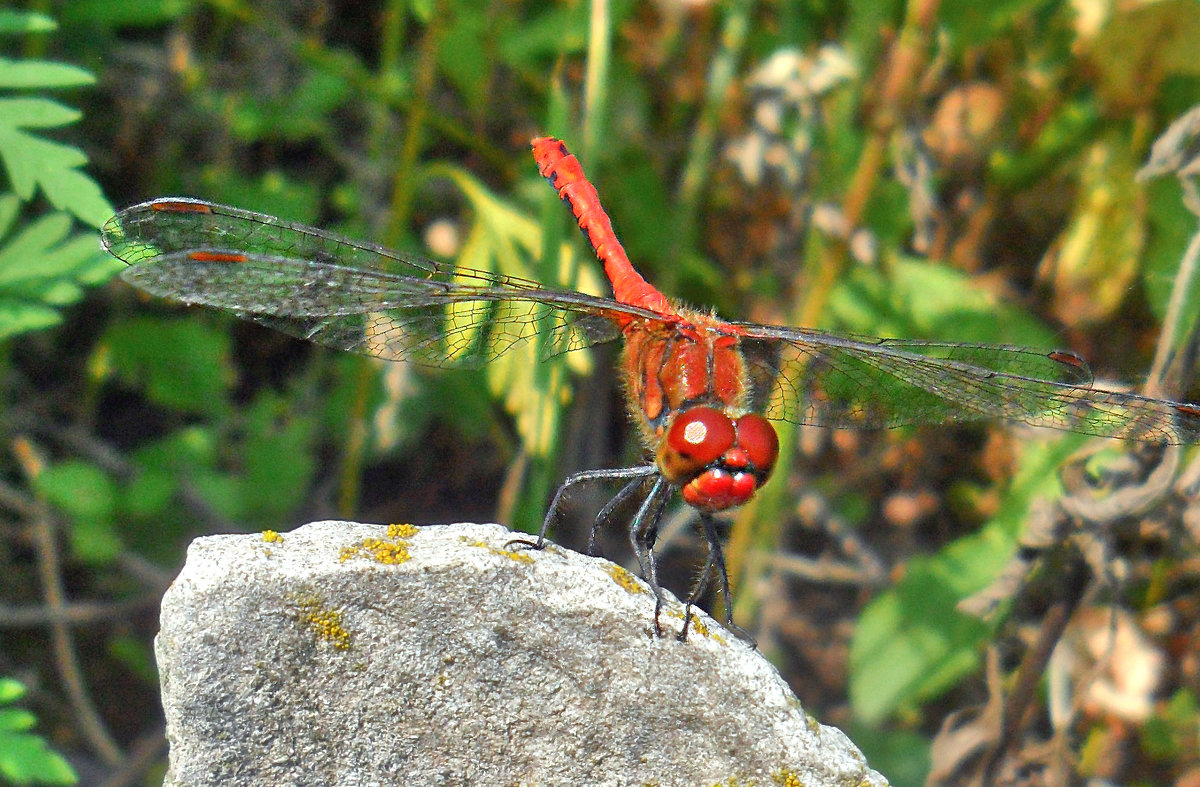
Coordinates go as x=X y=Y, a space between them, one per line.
x=342 y=654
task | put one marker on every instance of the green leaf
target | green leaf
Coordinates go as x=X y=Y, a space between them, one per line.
x=916 y=299
x=1170 y=228
x=42 y=267
x=27 y=158
x=10 y=207
x=1094 y=261
x=75 y=191
x=1171 y=732
x=910 y=643
x=31 y=243
x=31 y=161
x=464 y=53
x=12 y=21
x=278 y=460
x=273 y=192
x=223 y=492
x=192 y=455
x=133 y=654
x=322 y=93
x=134 y=13
x=1139 y=47
x=89 y=497
x=36 y=113
x=505 y=240
x=181 y=453
x=17 y=318
x=23 y=74
x=901 y=754
x=10 y=691
x=971 y=23
x=1072 y=127
x=16 y=720
x=183 y=364
x=560 y=30
x=150 y=492
x=26 y=759
x=422 y=9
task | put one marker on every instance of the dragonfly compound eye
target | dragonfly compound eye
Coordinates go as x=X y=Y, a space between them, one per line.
x=756 y=435
x=697 y=438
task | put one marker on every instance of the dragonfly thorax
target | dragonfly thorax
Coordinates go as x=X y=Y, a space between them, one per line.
x=717 y=461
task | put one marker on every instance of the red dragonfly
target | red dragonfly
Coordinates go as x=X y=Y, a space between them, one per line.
x=700 y=388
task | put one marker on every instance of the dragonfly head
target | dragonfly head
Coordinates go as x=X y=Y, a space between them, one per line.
x=717 y=461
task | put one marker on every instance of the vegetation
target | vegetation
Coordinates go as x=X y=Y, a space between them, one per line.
x=955 y=170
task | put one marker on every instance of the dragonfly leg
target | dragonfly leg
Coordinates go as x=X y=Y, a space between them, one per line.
x=643 y=531
x=572 y=480
x=626 y=492
x=716 y=559
x=697 y=589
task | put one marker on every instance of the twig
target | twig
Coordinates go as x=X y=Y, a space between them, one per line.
x=1072 y=583
x=50 y=572
x=147 y=750
x=74 y=614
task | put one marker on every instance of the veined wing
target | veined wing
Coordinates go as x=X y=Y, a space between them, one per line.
x=833 y=380
x=347 y=294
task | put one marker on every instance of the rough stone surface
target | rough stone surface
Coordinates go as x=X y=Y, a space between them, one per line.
x=345 y=654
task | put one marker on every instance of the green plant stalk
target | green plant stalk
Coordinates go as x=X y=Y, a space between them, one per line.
x=1174 y=334
x=757 y=526
x=392 y=30
x=402 y=195
x=698 y=165
x=543 y=472
x=404 y=182
x=599 y=55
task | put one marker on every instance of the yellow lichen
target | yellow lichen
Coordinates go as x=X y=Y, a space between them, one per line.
x=787 y=778
x=627 y=581
x=325 y=623
x=401 y=531
x=697 y=626
x=383 y=551
x=702 y=629
x=520 y=556
x=271 y=537
x=391 y=551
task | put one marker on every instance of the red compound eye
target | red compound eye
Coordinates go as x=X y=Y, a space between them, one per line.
x=756 y=435
x=697 y=438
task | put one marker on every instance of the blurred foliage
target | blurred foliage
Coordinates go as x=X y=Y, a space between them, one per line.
x=44 y=266
x=24 y=757
x=955 y=171
x=911 y=643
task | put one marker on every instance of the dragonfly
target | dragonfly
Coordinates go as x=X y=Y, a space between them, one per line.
x=701 y=390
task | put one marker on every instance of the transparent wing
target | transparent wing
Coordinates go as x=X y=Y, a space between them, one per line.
x=367 y=299
x=832 y=380
x=344 y=293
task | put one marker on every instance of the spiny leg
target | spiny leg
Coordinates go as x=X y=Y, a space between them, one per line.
x=572 y=480
x=626 y=492
x=716 y=557
x=643 y=531
x=697 y=590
